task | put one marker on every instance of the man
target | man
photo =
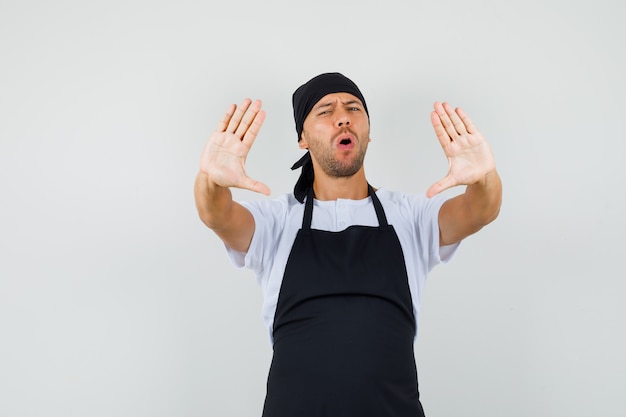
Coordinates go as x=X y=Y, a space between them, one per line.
x=341 y=264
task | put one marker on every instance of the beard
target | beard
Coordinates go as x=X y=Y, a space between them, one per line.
x=334 y=165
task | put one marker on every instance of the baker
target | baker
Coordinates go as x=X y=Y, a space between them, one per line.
x=342 y=264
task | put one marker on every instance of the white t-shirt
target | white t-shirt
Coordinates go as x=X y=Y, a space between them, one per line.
x=277 y=221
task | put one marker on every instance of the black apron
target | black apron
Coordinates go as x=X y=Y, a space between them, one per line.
x=344 y=326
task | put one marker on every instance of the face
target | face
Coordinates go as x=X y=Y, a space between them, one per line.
x=337 y=132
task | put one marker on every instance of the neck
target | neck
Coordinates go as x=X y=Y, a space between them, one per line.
x=331 y=188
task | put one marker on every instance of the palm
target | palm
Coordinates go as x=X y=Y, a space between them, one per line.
x=469 y=155
x=224 y=156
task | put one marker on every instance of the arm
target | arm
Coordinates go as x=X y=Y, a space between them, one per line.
x=471 y=164
x=222 y=166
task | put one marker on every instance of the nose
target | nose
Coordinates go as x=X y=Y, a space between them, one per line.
x=343 y=119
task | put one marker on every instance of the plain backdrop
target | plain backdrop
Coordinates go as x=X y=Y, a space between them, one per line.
x=115 y=300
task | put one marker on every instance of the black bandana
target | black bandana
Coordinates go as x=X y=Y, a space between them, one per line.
x=304 y=98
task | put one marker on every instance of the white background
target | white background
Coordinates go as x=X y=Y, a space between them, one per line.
x=115 y=300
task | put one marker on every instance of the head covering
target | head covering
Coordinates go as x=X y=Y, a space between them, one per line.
x=303 y=99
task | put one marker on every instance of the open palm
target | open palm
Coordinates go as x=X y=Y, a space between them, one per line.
x=468 y=152
x=224 y=156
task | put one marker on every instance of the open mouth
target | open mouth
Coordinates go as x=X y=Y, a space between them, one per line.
x=345 y=143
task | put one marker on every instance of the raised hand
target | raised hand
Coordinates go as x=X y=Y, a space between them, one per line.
x=469 y=156
x=224 y=156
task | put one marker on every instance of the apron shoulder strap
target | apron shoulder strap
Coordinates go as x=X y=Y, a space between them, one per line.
x=308 y=210
x=380 y=213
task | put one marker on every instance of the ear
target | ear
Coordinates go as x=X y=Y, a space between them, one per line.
x=302 y=143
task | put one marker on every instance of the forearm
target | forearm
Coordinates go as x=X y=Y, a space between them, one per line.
x=483 y=199
x=469 y=212
x=232 y=222
x=213 y=202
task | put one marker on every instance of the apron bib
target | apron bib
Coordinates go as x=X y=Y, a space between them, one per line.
x=344 y=326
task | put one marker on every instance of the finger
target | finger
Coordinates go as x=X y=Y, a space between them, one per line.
x=255 y=127
x=469 y=125
x=248 y=118
x=221 y=127
x=445 y=121
x=440 y=131
x=237 y=116
x=458 y=124
x=252 y=185
x=440 y=186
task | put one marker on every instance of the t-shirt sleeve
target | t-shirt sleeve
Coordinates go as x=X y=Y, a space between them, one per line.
x=441 y=254
x=425 y=212
x=268 y=225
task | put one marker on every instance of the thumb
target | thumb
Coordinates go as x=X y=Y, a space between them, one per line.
x=440 y=186
x=253 y=185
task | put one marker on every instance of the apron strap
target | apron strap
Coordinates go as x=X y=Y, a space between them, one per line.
x=308 y=208
x=380 y=213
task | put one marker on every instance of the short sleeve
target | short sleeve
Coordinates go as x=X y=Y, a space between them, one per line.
x=439 y=254
x=420 y=215
x=269 y=219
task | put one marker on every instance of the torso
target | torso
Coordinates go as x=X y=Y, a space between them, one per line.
x=344 y=326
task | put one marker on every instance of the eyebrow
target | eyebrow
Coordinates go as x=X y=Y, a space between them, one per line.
x=344 y=103
x=352 y=102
